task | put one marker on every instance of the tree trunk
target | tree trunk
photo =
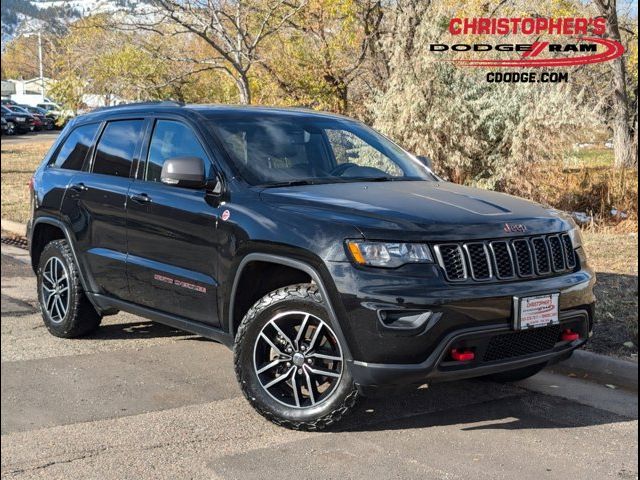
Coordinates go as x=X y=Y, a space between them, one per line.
x=622 y=143
x=634 y=145
x=244 y=89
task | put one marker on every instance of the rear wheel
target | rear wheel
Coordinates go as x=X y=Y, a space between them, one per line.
x=290 y=363
x=11 y=128
x=66 y=310
x=516 y=375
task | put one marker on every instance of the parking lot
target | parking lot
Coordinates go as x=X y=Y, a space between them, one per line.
x=32 y=137
x=139 y=400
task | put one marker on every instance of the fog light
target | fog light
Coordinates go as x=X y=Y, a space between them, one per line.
x=462 y=355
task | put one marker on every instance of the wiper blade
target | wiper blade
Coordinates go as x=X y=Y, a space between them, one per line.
x=373 y=179
x=290 y=183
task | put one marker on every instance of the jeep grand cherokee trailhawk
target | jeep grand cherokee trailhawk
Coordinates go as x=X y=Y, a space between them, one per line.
x=330 y=260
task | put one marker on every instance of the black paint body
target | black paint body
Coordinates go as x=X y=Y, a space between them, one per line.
x=132 y=251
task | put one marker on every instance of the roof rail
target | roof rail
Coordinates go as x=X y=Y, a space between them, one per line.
x=157 y=103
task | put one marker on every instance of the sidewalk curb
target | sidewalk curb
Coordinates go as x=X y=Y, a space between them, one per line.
x=601 y=369
x=14 y=227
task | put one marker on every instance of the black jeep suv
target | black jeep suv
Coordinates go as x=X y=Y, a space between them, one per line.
x=333 y=262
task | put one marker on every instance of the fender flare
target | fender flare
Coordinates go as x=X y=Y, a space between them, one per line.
x=65 y=230
x=299 y=265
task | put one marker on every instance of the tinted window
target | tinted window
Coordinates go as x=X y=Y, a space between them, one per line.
x=75 y=148
x=170 y=139
x=274 y=148
x=348 y=148
x=117 y=147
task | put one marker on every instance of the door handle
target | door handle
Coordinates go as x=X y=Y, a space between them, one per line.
x=79 y=187
x=141 y=198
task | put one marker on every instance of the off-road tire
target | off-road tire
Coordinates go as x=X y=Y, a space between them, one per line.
x=303 y=297
x=81 y=317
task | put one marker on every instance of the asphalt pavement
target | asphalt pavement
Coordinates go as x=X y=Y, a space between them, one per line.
x=33 y=137
x=138 y=400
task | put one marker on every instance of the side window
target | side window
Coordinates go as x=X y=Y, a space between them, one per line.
x=348 y=148
x=117 y=147
x=170 y=139
x=74 y=150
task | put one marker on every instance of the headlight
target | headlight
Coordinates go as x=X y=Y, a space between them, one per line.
x=389 y=255
x=576 y=237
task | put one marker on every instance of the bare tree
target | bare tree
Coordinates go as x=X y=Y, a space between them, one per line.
x=625 y=154
x=234 y=29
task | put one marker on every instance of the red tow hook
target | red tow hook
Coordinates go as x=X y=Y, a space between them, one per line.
x=462 y=355
x=569 y=335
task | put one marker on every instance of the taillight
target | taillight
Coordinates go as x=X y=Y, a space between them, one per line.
x=31 y=185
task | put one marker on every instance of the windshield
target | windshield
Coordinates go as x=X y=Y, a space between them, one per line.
x=276 y=149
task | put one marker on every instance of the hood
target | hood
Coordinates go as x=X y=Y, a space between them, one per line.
x=416 y=210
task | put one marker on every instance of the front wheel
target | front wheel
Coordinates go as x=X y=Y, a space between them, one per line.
x=289 y=362
x=66 y=310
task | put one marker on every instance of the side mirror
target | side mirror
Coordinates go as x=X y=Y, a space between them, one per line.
x=187 y=172
x=426 y=161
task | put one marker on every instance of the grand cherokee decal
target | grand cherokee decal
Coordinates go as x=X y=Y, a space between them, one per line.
x=179 y=283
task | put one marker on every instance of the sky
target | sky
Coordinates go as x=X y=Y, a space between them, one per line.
x=628 y=6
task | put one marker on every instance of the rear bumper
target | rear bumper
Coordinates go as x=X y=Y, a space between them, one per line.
x=439 y=367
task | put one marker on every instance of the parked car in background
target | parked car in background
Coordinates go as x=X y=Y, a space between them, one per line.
x=36 y=123
x=17 y=122
x=61 y=114
x=47 y=119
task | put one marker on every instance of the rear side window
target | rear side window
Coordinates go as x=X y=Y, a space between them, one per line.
x=117 y=147
x=171 y=139
x=74 y=150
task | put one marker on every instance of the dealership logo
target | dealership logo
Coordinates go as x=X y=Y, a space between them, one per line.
x=584 y=47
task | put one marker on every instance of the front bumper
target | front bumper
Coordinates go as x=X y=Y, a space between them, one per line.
x=460 y=315
x=438 y=367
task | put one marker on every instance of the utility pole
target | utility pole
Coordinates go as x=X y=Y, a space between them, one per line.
x=40 y=65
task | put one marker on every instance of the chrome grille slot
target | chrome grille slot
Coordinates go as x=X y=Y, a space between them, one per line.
x=478 y=255
x=557 y=253
x=451 y=258
x=524 y=259
x=541 y=256
x=569 y=251
x=493 y=260
x=502 y=260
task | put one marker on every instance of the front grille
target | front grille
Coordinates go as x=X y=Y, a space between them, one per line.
x=503 y=260
x=541 y=256
x=453 y=260
x=526 y=342
x=557 y=253
x=479 y=261
x=527 y=257
x=524 y=259
x=568 y=249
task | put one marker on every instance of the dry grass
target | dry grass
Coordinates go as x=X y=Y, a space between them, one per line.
x=583 y=183
x=18 y=163
x=615 y=259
